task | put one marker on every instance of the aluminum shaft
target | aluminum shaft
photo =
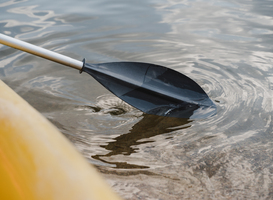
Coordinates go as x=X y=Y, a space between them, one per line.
x=39 y=51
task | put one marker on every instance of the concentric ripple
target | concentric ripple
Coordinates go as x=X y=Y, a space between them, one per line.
x=225 y=46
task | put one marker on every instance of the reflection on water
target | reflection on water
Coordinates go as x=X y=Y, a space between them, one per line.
x=225 y=46
x=148 y=127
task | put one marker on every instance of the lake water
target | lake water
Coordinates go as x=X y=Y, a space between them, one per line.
x=225 y=46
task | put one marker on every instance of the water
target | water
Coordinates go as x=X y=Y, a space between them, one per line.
x=225 y=46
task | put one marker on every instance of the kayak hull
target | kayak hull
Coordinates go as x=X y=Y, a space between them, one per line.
x=37 y=161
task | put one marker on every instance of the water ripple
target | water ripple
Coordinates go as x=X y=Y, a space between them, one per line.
x=225 y=46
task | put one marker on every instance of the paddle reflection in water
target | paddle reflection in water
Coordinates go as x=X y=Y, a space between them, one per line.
x=148 y=127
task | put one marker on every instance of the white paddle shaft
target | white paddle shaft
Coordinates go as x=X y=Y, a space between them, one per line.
x=39 y=51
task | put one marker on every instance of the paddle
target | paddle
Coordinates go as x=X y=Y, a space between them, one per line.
x=150 y=88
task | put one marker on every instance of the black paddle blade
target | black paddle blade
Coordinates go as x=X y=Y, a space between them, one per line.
x=153 y=89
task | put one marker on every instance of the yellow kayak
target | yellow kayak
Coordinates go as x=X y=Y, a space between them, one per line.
x=37 y=161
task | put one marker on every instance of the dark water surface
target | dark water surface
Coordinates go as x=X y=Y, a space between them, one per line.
x=225 y=46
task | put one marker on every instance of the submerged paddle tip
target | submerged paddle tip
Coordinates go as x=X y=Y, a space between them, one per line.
x=187 y=111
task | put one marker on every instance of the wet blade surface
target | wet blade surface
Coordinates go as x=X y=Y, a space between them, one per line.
x=153 y=89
